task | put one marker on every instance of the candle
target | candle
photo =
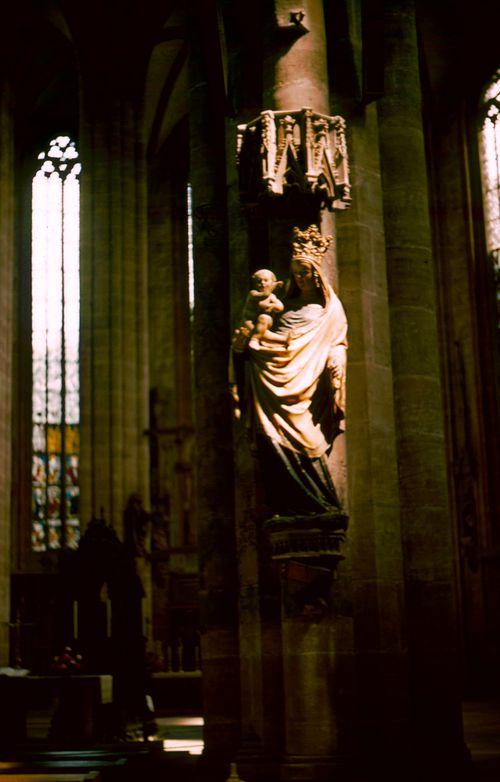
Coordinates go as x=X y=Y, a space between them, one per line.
x=75 y=619
x=108 y=618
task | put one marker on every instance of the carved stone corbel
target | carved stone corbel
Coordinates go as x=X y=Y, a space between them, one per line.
x=313 y=539
x=284 y=151
x=309 y=550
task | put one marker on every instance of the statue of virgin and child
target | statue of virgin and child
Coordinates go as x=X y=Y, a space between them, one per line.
x=294 y=356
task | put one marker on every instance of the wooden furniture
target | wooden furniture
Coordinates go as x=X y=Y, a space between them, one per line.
x=75 y=704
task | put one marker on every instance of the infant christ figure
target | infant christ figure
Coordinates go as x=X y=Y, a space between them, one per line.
x=261 y=304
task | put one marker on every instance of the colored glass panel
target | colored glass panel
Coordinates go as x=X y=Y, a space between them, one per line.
x=38 y=536
x=38 y=437
x=72 y=439
x=54 y=439
x=72 y=477
x=39 y=470
x=73 y=502
x=72 y=533
x=54 y=468
x=54 y=529
x=38 y=504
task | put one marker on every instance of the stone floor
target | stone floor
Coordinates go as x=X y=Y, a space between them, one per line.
x=184 y=734
x=482 y=735
x=481 y=727
x=181 y=734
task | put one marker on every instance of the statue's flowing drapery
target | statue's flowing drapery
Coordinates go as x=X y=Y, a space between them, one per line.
x=297 y=411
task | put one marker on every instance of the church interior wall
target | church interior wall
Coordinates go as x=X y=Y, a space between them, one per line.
x=411 y=620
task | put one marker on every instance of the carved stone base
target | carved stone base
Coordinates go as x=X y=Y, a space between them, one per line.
x=305 y=538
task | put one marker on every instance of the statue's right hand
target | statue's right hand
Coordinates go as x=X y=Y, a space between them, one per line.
x=240 y=338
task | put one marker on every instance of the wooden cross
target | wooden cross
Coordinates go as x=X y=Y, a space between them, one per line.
x=17 y=626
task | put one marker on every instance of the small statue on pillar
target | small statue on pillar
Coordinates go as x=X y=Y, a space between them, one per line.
x=135 y=524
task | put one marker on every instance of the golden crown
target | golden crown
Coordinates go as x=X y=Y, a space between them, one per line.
x=310 y=244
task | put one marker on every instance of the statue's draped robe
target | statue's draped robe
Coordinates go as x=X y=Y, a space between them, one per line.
x=297 y=411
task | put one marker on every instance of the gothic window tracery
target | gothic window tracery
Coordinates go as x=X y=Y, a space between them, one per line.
x=55 y=307
x=489 y=146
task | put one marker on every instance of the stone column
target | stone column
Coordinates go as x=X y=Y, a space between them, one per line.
x=425 y=519
x=295 y=76
x=381 y=706
x=113 y=341
x=260 y=643
x=295 y=69
x=213 y=457
x=171 y=433
x=169 y=348
x=114 y=406
x=6 y=270
x=316 y=654
x=261 y=666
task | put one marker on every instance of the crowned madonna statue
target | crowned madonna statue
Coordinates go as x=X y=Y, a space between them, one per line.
x=297 y=384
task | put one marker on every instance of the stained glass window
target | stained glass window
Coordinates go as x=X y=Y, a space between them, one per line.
x=489 y=144
x=55 y=339
x=190 y=246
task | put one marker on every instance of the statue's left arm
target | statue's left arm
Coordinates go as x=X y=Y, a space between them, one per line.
x=337 y=355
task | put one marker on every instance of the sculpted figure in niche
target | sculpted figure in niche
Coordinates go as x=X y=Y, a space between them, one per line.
x=261 y=306
x=297 y=381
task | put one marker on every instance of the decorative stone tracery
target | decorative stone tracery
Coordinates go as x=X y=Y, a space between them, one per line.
x=302 y=150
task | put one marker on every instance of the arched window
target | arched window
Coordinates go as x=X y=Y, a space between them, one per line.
x=55 y=347
x=189 y=194
x=489 y=145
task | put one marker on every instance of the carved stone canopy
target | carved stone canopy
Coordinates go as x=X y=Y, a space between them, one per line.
x=282 y=151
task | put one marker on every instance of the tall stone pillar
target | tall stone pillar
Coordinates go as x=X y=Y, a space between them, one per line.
x=316 y=653
x=114 y=417
x=381 y=706
x=425 y=520
x=260 y=632
x=113 y=341
x=6 y=271
x=295 y=68
x=171 y=435
x=212 y=417
x=169 y=348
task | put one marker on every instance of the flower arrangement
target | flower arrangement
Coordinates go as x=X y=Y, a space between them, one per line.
x=67 y=662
